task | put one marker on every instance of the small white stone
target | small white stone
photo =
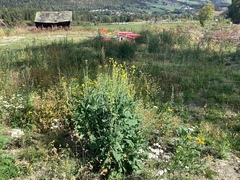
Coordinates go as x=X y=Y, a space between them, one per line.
x=16 y=133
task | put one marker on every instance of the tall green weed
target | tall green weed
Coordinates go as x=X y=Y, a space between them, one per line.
x=108 y=122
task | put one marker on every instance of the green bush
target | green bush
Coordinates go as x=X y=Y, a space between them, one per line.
x=108 y=122
x=154 y=44
x=126 y=50
x=168 y=37
x=8 y=169
x=120 y=50
x=144 y=37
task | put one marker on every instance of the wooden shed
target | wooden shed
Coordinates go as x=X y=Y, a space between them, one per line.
x=50 y=19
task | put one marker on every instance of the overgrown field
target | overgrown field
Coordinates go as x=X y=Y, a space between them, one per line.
x=163 y=106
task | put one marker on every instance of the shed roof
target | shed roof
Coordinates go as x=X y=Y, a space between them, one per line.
x=53 y=16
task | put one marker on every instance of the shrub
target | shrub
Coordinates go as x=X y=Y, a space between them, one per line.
x=108 y=122
x=126 y=50
x=153 y=44
x=120 y=50
x=168 y=37
x=144 y=37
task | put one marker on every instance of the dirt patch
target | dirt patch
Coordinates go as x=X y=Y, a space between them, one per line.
x=226 y=169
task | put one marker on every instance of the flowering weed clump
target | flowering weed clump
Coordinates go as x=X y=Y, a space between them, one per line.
x=15 y=110
x=53 y=108
x=108 y=122
x=188 y=156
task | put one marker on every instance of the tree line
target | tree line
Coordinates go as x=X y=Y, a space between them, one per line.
x=19 y=17
x=16 y=16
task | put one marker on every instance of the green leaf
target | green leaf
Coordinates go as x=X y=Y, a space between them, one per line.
x=129 y=142
x=117 y=156
x=92 y=138
x=127 y=114
x=132 y=122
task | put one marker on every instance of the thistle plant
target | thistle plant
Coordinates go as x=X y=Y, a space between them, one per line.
x=108 y=122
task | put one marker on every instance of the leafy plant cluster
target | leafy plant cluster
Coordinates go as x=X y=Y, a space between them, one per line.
x=8 y=169
x=108 y=121
x=188 y=155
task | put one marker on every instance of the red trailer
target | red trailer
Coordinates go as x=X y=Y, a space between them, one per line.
x=128 y=35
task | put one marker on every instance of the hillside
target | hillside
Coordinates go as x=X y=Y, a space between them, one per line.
x=143 y=6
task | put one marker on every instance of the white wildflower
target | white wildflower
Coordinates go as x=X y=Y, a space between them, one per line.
x=54 y=127
x=156 y=151
x=19 y=107
x=152 y=156
x=161 y=172
x=157 y=145
x=191 y=129
x=7 y=105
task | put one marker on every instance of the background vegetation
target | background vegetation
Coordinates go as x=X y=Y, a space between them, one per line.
x=107 y=11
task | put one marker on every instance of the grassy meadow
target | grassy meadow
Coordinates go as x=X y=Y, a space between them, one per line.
x=162 y=106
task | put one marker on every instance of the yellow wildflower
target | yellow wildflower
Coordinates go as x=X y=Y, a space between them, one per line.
x=209 y=156
x=170 y=109
x=64 y=84
x=124 y=75
x=74 y=79
x=200 y=140
x=189 y=137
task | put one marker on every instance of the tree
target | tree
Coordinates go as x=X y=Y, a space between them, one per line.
x=206 y=13
x=234 y=11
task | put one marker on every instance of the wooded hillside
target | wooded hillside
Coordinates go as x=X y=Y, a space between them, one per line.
x=121 y=5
